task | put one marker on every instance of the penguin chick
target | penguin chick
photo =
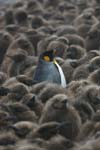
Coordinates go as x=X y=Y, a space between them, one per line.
x=7 y=138
x=5 y=41
x=94 y=63
x=37 y=88
x=59 y=142
x=17 y=64
x=24 y=79
x=18 y=4
x=46 y=65
x=58 y=109
x=4 y=119
x=76 y=88
x=75 y=40
x=92 y=40
x=21 y=112
x=33 y=102
x=49 y=91
x=59 y=46
x=21 y=17
x=37 y=22
x=22 y=43
x=75 y=52
x=43 y=43
x=85 y=110
x=9 y=16
x=23 y=128
x=3 y=78
x=32 y=6
x=86 y=131
x=81 y=72
x=4 y=91
x=86 y=17
x=12 y=29
x=65 y=29
x=86 y=58
x=91 y=95
x=96 y=116
x=18 y=91
x=94 y=77
x=45 y=131
x=83 y=29
x=34 y=37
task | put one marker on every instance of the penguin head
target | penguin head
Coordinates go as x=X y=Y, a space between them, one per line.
x=47 y=56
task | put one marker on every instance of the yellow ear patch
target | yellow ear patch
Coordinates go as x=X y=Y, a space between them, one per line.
x=46 y=58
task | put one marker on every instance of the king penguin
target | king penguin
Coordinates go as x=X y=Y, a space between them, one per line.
x=49 y=70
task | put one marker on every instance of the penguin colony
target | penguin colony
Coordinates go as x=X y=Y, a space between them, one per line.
x=50 y=75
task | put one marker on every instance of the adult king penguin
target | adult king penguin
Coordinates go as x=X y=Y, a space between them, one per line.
x=49 y=70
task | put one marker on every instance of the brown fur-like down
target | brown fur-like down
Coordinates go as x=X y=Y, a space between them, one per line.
x=75 y=52
x=75 y=40
x=91 y=94
x=23 y=128
x=33 y=102
x=58 y=109
x=81 y=72
x=59 y=46
x=5 y=41
x=9 y=17
x=19 y=43
x=20 y=112
x=49 y=91
x=17 y=91
x=92 y=40
x=46 y=116
x=7 y=138
x=95 y=77
x=21 y=17
x=86 y=17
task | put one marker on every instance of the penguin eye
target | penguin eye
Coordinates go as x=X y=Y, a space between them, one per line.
x=46 y=58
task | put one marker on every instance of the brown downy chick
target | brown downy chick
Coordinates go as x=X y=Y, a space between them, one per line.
x=7 y=138
x=5 y=41
x=59 y=142
x=20 y=112
x=24 y=79
x=94 y=77
x=23 y=128
x=21 y=17
x=17 y=63
x=9 y=17
x=33 y=102
x=91 y=94
x=49 y=91
x=17 y=91
x=58 y=109
x=85 y=110
x=37 y=88
x=45 y=131
x=75 y=52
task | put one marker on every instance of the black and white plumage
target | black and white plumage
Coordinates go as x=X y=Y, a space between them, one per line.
x=49 y=70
